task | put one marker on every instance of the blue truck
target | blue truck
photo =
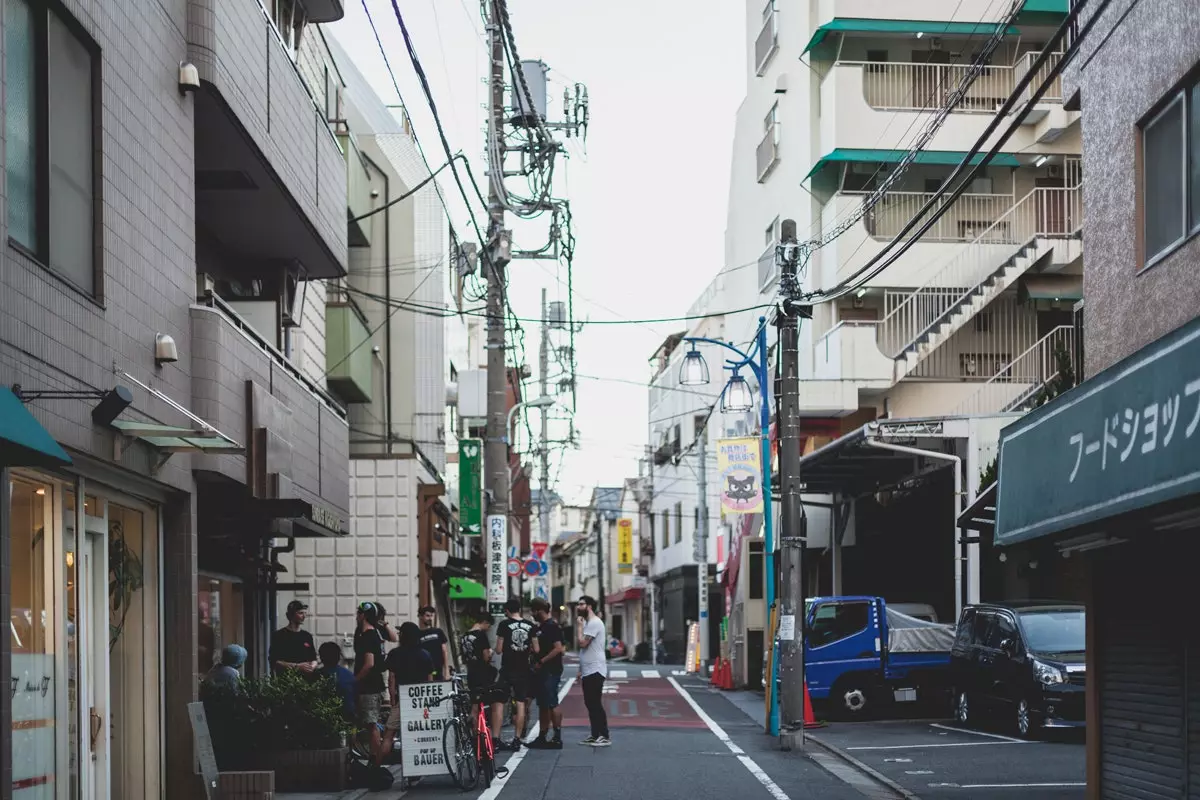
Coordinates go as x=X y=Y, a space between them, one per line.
x=860 y=656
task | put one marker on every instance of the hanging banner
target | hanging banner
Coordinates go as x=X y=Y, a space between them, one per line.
x=625 y=546
x=740 y=466
x=497 y=542
x=470 y=489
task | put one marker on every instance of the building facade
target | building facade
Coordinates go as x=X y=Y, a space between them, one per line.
x=167 y=429
x=1106 y=475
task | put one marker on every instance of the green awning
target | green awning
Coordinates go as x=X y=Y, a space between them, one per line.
x=907 y=26
x=1046 y=7
x=950 y=158
x=466 y=589
x=23 y=440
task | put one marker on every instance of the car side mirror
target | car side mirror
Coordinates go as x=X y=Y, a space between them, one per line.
x=1009 y=646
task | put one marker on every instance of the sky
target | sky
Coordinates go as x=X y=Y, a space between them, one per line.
x=648 y=192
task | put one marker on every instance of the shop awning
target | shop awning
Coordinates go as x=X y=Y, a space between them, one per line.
x=949 y=158
x=1119 y=444
x=466 y=589
x=625 y=595
x=174 y=439
x=856 y=464
x=892 y=27
x=981 y=515
x=23 y=440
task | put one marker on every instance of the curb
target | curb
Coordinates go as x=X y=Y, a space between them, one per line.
x=854 y=762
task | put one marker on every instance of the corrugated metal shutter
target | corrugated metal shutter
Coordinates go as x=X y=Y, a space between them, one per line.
x=1140 y=660
x=1193 y=711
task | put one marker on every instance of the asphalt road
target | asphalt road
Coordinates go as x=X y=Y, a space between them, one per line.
x=673 y=737
x=938 y=760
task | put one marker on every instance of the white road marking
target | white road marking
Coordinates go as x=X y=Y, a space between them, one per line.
x=1021 y=785
x=940 y=744
x=747 y=761
x=918 y=772
x=617 y=673
x=678 y=673
x=898 y=760
x=978 y=733
x=650 y=673
x=499 y=783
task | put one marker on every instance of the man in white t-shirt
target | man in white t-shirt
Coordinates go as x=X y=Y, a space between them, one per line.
x=593 y=668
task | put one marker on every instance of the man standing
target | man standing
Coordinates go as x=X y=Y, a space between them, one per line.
x=368 y=675
x=292 y=647
x=593 y=668
x=434 y=641
x=548 y=670
x=515 y=643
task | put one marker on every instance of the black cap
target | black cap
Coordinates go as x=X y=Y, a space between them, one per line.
x=295 y=606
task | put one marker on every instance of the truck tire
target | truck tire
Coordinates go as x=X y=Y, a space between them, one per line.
x=853 y=697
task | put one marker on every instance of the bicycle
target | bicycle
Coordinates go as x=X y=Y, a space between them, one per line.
x=467 y=743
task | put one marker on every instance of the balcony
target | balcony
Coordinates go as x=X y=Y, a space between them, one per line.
x=296 y=433
x=766 y=43
x=358 y=190
x=271 y=179
x=767 y=154
x=849 y=352
x=1018 y=385
x=349 y=361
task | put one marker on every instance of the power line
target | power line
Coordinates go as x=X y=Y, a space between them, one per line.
x=410 y=192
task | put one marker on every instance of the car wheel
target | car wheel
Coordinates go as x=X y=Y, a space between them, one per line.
x=852 y=699
x=962 y=709
x=1024 y=721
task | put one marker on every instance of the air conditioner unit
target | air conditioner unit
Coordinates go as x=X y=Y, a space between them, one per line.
x=1054 y=170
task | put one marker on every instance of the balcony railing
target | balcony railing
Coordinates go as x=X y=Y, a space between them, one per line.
x=984 y=346
x=767 y=155
x=1042 y=212
x=964 y=221
x=1054 y=94
x=1016 y=384
x=895 y=86
x=766 y=44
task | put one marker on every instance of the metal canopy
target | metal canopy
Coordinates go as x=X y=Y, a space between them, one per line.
x=852 y=466
x=172 y=439
x=981 y=515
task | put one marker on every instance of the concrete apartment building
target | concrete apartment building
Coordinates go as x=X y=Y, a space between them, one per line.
x=967 y=330
x=1107 y=474
x=174 y=195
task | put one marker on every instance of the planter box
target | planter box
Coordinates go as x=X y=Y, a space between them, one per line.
x=308 y=770
x=246 y=785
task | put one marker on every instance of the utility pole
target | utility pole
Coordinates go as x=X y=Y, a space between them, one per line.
x=649 y=506
x=702 y=543
x=600 y=532
x=498 y=253
x=544 y=448
x=794 y=524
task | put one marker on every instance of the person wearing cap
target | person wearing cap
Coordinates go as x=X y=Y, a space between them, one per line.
x=368 y=674
x=227 y=673
x=291 y=646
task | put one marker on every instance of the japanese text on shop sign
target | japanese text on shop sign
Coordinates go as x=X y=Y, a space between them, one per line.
x=1122 y=431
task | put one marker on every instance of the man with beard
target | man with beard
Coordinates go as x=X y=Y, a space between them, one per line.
x=547 y=675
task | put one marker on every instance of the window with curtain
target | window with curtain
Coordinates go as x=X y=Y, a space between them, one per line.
x=50 y=116
x=1171 y=174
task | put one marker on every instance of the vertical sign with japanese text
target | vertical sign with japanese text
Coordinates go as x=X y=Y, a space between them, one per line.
x=740 y=468
x=625 y=546
x=470 y=489
x=497 y=544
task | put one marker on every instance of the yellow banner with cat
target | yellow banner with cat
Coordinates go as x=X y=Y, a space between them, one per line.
x=739 y=461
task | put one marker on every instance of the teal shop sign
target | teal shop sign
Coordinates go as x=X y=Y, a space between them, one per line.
x=1125 y=440
x=470 y=489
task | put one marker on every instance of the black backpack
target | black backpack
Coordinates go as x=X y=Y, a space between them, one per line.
x=367 y=776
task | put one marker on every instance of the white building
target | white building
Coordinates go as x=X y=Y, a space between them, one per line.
x=975 y=319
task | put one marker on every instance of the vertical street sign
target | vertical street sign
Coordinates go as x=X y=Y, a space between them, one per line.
x=625 y=546
x=470 y=486
x=497 y=542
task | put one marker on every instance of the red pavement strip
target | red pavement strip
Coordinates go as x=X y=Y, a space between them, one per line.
x=636 y=703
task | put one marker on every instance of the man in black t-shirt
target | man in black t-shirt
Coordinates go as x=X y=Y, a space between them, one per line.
x=368 y=673
x=434 y=641
x=476 y=650
x=406 y=664
x=515 y=643
x=548 y=669
x=291 y=646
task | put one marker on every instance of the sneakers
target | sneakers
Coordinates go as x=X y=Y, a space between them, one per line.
x=597 y=741
x=590 y=741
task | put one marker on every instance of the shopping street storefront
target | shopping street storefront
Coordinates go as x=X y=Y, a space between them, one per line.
x=1109 y=473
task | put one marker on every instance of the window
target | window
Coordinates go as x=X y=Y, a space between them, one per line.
x=1171 y=174
x=678 y=522
x=835 y=621
x=699 y=424
x=771 y=236
x=50 y=129
x=666 y=529
x=771 y=120
x=289 y=19
x=757 y=576
x=962 y=636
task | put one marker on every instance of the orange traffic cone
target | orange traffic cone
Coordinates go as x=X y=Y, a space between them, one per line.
x=728 y=684
x=715 y=677
x=810 y=719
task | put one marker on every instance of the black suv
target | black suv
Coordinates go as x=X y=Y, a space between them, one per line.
x=1021 y=661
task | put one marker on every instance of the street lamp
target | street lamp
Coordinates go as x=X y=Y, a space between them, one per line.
x=545 y=401
x=737 y=398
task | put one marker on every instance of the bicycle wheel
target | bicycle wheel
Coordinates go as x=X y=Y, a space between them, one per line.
x=487 y=758
x=458 y=749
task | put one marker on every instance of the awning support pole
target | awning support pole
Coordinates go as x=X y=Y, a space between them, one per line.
x=958 y=509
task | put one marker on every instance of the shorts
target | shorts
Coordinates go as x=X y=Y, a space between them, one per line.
x=491 y=693
x=547 y=695
x=532 y=686
x=516 y=684
x=369 y=708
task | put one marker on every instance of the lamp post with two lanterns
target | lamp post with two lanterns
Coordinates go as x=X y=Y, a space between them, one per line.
x=736 y=397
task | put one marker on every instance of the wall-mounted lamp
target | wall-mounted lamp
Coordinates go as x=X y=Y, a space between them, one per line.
x=1041 y=160
x=112 y=401
x=165 y=351
x=189 y=77
x=111 y=404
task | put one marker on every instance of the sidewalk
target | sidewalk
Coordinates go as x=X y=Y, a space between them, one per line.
x=394 y=793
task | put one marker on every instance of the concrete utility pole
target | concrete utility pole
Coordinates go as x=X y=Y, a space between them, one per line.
x=649 y=505
x=794 y=524
x=544 y=448
x=497 y=256
x=702 y=543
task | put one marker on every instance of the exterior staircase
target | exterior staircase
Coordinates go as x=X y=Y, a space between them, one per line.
x=1041 y=228
x=1018 y=384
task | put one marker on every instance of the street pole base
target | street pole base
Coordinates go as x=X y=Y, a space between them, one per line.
x=791 y=739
